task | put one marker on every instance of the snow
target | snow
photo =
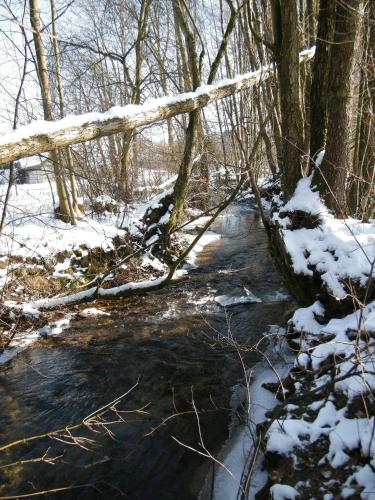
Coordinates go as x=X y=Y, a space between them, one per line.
x=319 y=157
x=284 y=436
x=153 y=239
x=19 y=344
x=354 y=379
x=148 y=260
x=93 y=311
x=233 y=299
x=366 y=477
x=240 y=446
x=283 y=492
x=24 y=340
x=305 y=199
x=339 y=249
x=304 y=318
x=165 y=218
x=338 y=329
x=33 y=231
x=72 y=124
x=344 y=434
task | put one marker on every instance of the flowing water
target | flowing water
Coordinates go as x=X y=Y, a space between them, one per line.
x=167 y=341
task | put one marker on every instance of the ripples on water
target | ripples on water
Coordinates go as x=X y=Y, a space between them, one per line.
x=169 y=341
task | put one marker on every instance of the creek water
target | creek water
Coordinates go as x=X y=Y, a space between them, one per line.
x=170 y=342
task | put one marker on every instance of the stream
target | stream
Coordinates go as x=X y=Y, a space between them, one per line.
x=171 y=343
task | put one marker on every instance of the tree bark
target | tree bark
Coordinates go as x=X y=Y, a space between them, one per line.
x=73 y=205
x=331 y=177
x=319 y=86
x=363 y=185
x=286 y=43
x=64 y=211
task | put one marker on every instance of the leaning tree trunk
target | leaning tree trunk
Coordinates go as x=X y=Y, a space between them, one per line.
x=87 y=127
x=64 y=211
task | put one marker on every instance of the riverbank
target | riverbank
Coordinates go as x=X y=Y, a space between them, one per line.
x=174 y=342
x=320 y=440
x=310 y=427
x=44 y=260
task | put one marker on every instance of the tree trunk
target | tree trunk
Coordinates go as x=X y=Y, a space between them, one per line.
x=319 y=86
x=364 y=168
x=63 y=210
x=73 y=205
x=286 y=46
x=124 y=187
x=124 y=190
x=331 y=177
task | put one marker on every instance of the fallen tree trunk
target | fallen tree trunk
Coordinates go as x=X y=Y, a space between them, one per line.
x=42 y=136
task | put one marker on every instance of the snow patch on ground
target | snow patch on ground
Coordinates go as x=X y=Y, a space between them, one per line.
x=93 y=311
x=24 y=340
x=33 y=231
x=339 y=249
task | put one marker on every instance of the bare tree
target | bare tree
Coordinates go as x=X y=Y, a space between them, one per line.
x=64 y=210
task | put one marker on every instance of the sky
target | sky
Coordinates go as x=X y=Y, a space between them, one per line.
x=12 y=60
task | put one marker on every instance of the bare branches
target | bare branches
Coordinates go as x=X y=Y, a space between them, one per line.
x=88 y=127
x=93 y=422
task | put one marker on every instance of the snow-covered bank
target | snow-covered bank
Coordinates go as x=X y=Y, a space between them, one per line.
x=319 y=441
x=46 y=263
x=241 y=448
x=325 y=427
x=339 y=250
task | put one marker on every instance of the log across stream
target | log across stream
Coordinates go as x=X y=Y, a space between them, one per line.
x=169 y=341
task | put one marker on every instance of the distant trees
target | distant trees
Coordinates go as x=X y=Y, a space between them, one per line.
x=131 y=51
